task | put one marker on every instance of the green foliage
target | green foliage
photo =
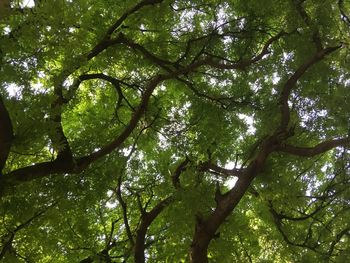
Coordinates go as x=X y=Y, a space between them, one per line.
x=296 y=209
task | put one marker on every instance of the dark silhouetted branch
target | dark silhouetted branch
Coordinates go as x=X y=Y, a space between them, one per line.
x=6 y=134
x=9 y=238
x=243 y=64
x=146 y=220
x=291 y=82
x=179 y=169
x=124 y=212
x=317 y=149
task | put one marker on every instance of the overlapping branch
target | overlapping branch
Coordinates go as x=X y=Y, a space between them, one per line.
x=307 y=242
x=64 y=162
x=166 y=65
x=76 y=166
x=59 y=139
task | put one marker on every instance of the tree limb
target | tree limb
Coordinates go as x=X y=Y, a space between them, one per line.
x=115 y=82
x=209 y=166
x=125 y=213
x=316 y=38
x=243 y=64
x=179 y=169
x=345 y=17
x=6 y=134
x=206 y=229
x=290 y=84
x=129 y=12
x=11 y=235
x=146 y=220
x=317 y=149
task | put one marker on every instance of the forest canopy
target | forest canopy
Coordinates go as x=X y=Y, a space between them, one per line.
x=175 y=131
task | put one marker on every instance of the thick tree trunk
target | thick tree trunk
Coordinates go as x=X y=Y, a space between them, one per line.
x=206 y=229
x=6 y=134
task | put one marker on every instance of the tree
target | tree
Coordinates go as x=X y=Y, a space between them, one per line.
x=175 y=131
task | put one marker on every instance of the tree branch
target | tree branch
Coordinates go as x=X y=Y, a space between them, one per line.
x=129 y=12
x=115 y=82
x=107 y=41
x=146 y=220
x=179 y=169
x=209 y=166
x=148 y=55
x=61 y=143
x=304 y=15
x=344 y=17
x=317 y=149
x=6 y=134
x=125 y=212
x=290 y=84
x=139 y=111
x=206 y=229
x=57 y=167
x=59 y=139
x=242 y=65
x=11 y=235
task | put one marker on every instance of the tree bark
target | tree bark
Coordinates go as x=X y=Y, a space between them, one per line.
x=6 y=134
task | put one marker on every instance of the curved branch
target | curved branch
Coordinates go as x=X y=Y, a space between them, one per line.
x=222 y=101
x=317 y=149
x=77 y=166
x=242 y=65
x=179 y=169
x=129 y=12
x=290 y=84
x=148 y=55
x=115 y=82
x=139 y=111
x=61 y=143
x=106 y=41
x=338 y=237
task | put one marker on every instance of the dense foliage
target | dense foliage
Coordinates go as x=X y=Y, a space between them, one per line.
x=175 y=131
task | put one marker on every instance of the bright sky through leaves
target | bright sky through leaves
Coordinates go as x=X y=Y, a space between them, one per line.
x=175 y=131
